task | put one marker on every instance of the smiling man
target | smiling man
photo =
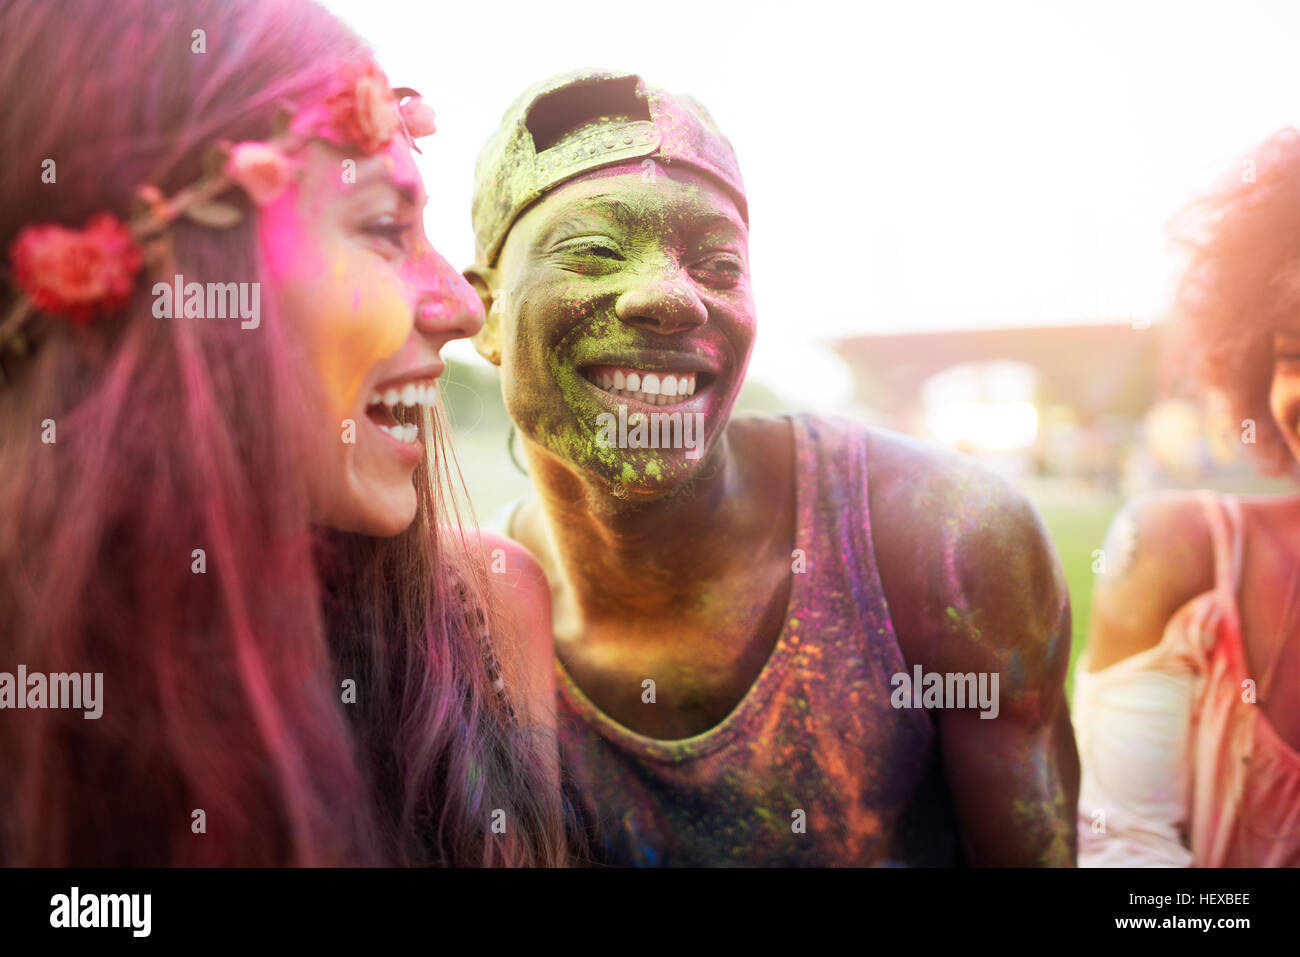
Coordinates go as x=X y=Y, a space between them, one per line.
x=735 y=614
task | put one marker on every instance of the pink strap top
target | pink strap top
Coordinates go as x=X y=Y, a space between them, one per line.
x=1174 y=749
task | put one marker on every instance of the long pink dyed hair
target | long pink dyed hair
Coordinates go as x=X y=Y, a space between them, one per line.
x=222 y=691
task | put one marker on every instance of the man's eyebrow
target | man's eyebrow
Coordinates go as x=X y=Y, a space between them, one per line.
x=616 y=209
x=625 y=214
x=721 y=221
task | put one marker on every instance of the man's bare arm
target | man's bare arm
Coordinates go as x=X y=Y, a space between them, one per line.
x=974 y=586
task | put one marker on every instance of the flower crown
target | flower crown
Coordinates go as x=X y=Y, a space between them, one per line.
x=89 y=272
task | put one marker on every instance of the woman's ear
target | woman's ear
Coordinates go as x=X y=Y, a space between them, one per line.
x=488 y=340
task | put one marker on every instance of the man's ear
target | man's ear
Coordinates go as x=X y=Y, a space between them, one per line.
x=488 y=340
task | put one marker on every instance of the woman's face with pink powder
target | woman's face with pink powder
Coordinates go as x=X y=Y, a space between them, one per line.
x=347 y=262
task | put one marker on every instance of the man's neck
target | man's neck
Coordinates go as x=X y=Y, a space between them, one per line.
x=609 y=557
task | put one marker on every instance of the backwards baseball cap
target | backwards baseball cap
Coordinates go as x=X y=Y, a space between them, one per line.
x=583 y=120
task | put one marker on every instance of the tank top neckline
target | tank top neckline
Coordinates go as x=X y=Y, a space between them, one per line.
x=672 y=750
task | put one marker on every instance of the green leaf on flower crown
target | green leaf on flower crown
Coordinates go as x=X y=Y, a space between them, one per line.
x=282 y=119
x=216 y=215
x=214 y=160
x=403 y=91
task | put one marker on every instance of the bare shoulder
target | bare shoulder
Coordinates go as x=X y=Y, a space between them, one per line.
x=1157 y=556
x=970 y=573
x=522 y=600
x=507 y=557
x=520 y=590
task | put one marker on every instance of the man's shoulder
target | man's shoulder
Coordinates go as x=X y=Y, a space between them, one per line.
x=933 y=485
x=922 y=485
x=962 y=553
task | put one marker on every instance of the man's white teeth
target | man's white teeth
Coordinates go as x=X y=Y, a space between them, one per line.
x=403 y=433
x=652 y=388
x=411 y=394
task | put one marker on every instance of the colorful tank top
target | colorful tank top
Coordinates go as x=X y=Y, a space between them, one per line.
x=813 y=767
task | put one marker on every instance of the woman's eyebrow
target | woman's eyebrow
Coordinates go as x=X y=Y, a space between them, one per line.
x=408 y=191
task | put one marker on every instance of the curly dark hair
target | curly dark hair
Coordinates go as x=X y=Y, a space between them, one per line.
x=1241 y=285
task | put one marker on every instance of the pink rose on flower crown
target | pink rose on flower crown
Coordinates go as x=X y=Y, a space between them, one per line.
x=364 y=110
x=418 y=117
x=77 y=273
x=261 y=169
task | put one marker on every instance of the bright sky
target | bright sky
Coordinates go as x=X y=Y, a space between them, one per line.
x=910 y=166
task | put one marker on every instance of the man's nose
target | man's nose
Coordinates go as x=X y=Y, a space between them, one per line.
x=447 y=304
x=664 y=303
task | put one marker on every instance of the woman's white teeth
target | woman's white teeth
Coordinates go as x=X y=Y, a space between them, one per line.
x=411 y=394
x=653 y=388
x=403 y=433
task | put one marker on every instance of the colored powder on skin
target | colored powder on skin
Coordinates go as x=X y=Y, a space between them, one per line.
x=352 y=314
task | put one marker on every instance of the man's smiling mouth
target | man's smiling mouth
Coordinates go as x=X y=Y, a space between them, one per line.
x=651 y=386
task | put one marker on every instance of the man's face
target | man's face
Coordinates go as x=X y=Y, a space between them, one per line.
x=619 y=284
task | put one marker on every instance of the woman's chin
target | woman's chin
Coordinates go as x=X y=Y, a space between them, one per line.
x=393 y=519
x=379 y=513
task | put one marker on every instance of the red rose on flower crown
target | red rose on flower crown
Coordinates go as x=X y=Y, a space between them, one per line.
x=89 y=272
x=76 y=272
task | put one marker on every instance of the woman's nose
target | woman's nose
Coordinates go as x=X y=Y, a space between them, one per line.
x=448 y=305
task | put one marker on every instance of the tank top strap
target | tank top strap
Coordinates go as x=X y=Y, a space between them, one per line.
x=1227 y=529
x=1223 y=512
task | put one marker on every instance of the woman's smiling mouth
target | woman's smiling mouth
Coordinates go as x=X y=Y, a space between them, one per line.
x=409 y=395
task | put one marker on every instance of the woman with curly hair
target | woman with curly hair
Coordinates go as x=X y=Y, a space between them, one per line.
x=222 y=471
x=1186 y=709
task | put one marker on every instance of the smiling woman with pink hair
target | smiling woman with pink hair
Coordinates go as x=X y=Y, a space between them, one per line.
x=1185 y=704
x=236 y=517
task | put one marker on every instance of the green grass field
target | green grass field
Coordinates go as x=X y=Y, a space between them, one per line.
x=1076 y=530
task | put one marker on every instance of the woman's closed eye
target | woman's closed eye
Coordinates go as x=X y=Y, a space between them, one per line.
x=390 y=229
x=1286 y=347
